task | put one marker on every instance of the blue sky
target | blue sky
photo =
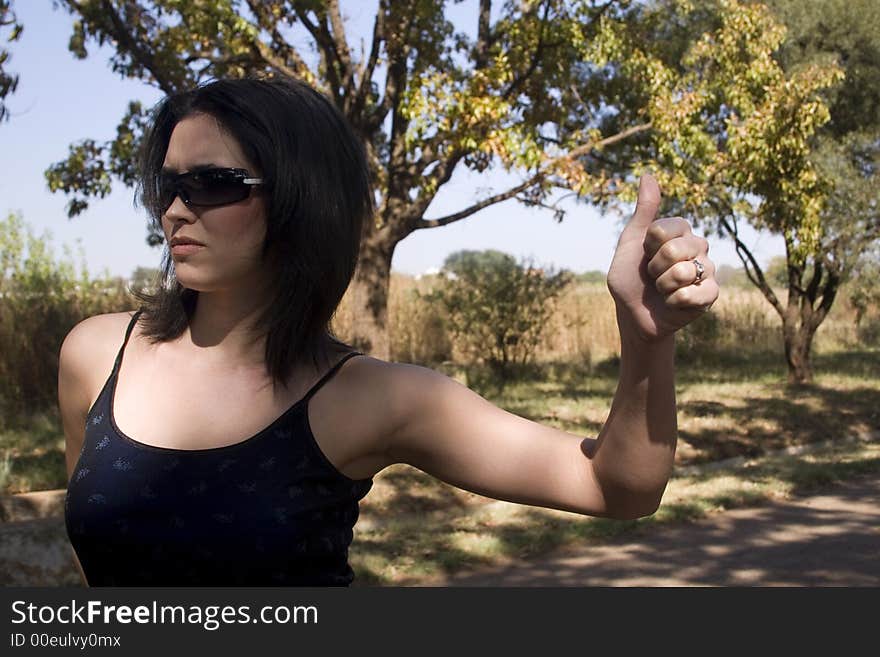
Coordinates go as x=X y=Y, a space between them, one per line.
x=61 y=100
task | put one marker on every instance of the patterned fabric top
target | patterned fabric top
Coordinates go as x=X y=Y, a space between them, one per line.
x=267 y=511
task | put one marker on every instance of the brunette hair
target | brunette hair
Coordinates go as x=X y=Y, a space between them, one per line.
x=318 y=193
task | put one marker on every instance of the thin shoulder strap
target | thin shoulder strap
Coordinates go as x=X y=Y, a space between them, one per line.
x=329 y=374
x=125 y=342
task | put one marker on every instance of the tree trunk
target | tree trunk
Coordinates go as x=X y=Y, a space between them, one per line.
x=368 y=293
x=798 y=343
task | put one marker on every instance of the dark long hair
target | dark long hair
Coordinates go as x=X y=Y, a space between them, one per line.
x=318 y=194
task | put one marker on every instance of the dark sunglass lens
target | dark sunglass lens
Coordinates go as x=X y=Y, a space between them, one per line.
x=215 y=188
x=166 y=190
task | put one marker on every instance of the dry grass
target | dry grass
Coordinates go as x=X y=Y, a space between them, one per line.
x=583 y=330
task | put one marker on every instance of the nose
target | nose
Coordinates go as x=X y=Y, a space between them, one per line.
x=178 y=210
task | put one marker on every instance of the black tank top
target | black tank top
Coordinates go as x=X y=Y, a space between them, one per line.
x=267 y=511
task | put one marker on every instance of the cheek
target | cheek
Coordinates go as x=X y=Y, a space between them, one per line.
x=238 y=231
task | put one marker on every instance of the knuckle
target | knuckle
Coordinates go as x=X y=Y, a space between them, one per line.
x=683 y=297
x=685 y=272
x=658 y=266
x=665 y=285
x=655 y=233
x=669 y=251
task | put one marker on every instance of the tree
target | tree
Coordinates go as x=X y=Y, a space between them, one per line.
x=496 y=306
x=424 y=98
x=8 y=81
x=734 y=138
x=847 y=150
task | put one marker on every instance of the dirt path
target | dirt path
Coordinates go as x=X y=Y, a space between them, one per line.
x=828 y=539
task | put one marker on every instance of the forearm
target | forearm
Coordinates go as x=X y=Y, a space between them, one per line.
x=633 y=455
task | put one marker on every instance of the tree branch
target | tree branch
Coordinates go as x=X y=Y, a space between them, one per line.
x=608 y=141
x=332 y=64
x=367 y=70
x=829 y=292
x=794 y=273
x=143 y=55
x=271 y=55
x=301 y=70
x=813 y=287
x=436 y=179
x=545 y=171
x=748 y=259
x=398 y=52
x=484 y=36
x=343 y=54
x=518 y=81
x=476 y=207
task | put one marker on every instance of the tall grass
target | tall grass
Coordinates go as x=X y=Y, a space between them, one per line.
x=41 y=299
x=583 y=331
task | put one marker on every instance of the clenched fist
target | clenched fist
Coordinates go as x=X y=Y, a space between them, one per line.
x=656 y=284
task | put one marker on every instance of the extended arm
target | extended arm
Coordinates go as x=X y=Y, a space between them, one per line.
x=449 y=431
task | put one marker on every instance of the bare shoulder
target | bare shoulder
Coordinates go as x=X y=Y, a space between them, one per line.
x=96 y=327
x=370 y=391
x=88 y=348
x=387 y=397
x=95 y=335
x=386 y=389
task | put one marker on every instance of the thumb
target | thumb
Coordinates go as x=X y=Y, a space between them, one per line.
x=648 y=204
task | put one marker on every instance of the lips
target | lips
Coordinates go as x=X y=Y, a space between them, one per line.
x=177 y=241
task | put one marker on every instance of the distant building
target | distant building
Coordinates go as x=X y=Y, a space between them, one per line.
x=430 y=271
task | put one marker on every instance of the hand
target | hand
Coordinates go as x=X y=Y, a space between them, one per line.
x=652 y=277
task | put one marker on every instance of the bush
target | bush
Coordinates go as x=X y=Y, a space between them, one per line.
x=864 y=297
x=40 y=301
x=496 y=308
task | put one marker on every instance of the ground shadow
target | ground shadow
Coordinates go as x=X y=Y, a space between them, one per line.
x=763 y=425
x=831 y=541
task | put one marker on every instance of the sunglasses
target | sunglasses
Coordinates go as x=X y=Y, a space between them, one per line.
x=206 y=188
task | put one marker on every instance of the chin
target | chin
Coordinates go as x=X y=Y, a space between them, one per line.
x=191 y=281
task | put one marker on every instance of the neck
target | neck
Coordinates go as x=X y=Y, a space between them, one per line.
x=223 y=329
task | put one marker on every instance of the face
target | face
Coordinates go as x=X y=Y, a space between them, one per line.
x=232 y=234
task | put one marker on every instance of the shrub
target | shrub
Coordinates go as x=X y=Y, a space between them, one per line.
x=496 y=308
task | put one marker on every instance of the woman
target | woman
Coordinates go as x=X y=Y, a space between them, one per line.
x=186 y=467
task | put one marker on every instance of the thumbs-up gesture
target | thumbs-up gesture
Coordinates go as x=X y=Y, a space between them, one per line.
x=661 y=278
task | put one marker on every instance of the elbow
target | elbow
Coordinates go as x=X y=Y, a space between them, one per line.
x=631 y=498
x=633 y=512
x=632 y=506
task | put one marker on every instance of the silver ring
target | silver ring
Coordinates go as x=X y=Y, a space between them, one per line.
x=700 y=271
